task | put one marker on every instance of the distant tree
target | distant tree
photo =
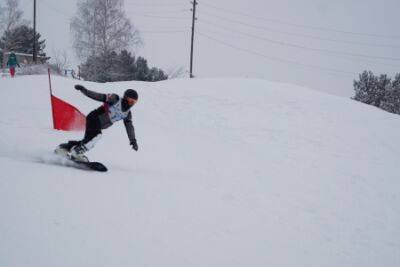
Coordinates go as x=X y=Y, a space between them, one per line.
x=384 y=83
x=370 y=89
x=391 y=101
x=112 y=67
x=99 y=68
x=2 y=18
x=141 y=69
x=100 y=27
x=10 y=15
x=59 y=61
x=156 y=74
x=124 y=66
x=20 y=39
x=378 y=91
x=364 y=87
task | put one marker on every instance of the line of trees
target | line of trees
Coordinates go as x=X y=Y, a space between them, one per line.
x=379 y=91
x=20 y=39
x=15 y=33
x=103 y=35
x=100 y=27
x=110 y=67
x=102 y=38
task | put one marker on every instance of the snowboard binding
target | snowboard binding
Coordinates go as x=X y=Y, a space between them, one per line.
x=75 y=153
x=64 y=150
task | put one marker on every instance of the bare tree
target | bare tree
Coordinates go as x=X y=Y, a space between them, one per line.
x=10 y=15
x=83 y=28
x=100 y=27
x=2 y=24
x=59 y=60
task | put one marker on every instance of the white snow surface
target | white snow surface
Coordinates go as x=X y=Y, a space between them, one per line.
x=229 y=172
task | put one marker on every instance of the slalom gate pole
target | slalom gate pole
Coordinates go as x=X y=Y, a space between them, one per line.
x=51 y=99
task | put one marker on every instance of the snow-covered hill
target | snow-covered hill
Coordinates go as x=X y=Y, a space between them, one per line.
x=229 y=172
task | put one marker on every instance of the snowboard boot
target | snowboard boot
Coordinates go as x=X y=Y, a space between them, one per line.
x=62 y=150
x=77 y=153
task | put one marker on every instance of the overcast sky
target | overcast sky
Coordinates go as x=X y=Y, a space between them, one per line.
x=320 y=44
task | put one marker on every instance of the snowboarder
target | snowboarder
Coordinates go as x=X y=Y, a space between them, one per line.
x=11 y=63
x=114 y=109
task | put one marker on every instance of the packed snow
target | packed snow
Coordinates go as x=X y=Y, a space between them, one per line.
x=229 y=172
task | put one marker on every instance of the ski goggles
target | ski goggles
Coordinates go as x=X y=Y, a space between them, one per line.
x=131 y=101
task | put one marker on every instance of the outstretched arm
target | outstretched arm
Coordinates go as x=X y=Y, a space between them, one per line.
x=91 y=94
x=130 y=130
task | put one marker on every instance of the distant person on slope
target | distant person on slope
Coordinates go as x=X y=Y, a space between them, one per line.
x=114 y=109
x=11 y=63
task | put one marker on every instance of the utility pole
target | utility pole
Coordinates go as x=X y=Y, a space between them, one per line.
x=34 y=31
x=191 y=49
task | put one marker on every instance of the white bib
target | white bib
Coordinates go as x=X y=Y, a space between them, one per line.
x=115 y=112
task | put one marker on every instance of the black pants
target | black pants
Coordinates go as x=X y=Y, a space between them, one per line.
x=93 y=129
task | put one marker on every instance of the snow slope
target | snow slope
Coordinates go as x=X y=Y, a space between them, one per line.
x=229 y=172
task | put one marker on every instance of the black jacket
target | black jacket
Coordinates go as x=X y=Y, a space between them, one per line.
x=103 y=112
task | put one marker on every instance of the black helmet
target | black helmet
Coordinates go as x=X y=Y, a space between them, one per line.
x=131 y=94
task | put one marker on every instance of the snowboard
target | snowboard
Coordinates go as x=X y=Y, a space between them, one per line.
x=89 y=165
x=92 y=165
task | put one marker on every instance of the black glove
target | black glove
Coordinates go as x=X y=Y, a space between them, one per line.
x=79 y=87
x=134 y=145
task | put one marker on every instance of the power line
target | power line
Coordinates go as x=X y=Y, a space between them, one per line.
x=164 y=32
x=304 y=35
x=277 y=58
x=340 y=56
x=158 y=17
x=154 y=4
x=281 y=43
x=49 y=6
x=301 y=26
x=172 y=11
x=289 y=33
x=162 y=12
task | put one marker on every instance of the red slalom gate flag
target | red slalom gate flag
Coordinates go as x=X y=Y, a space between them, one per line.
x=66 y=117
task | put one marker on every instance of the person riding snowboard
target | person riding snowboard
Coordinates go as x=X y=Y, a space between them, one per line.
x=114 y=109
